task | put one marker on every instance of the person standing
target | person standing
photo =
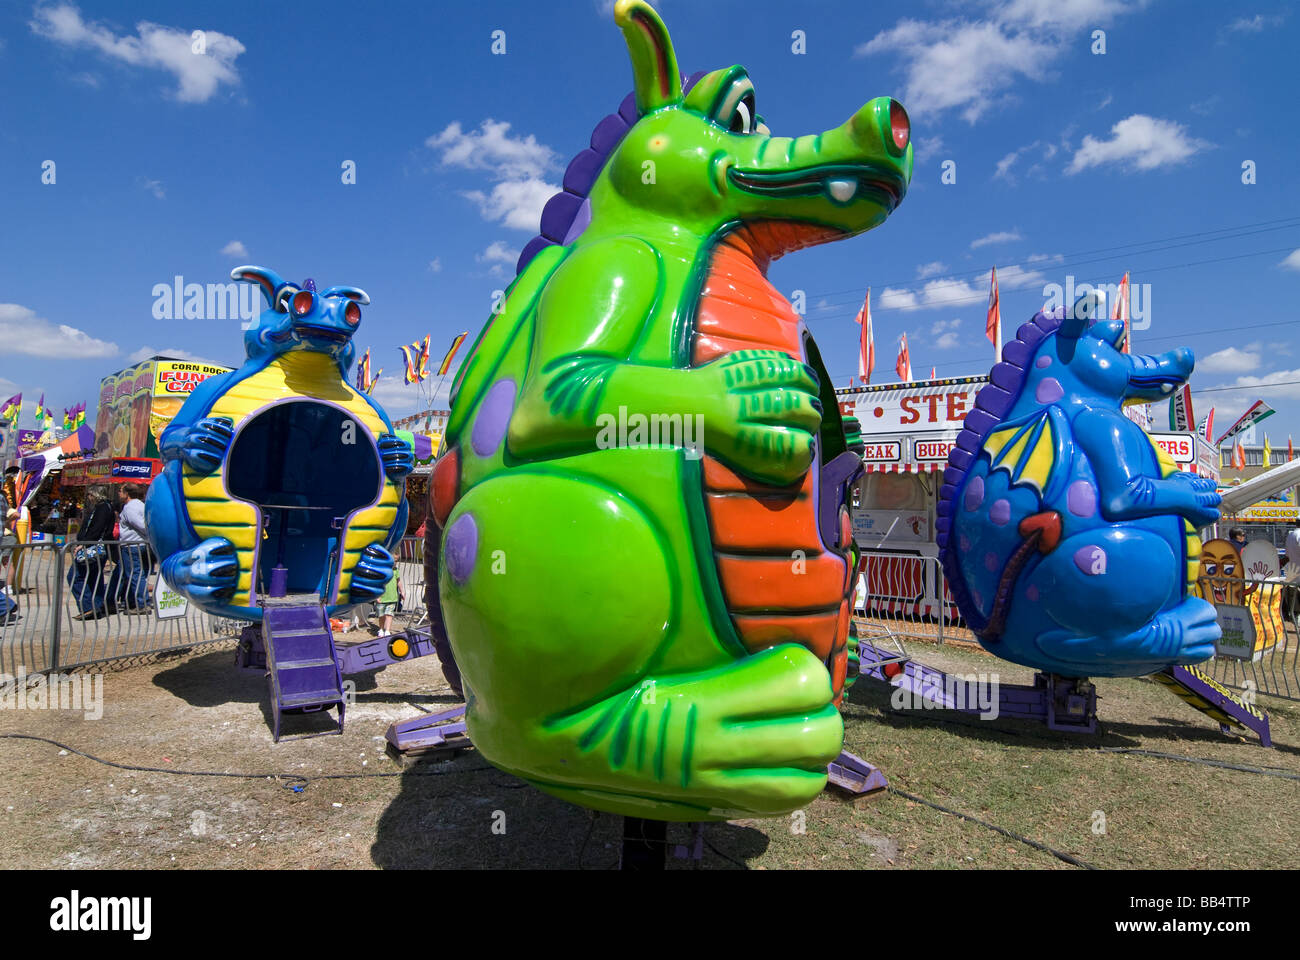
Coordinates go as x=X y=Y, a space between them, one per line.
x=1292 y=571
x=86 y=573
x=129 y=584
x=386 y=605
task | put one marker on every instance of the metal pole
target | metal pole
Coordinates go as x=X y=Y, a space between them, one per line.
x=57 y=606
x=943 y=604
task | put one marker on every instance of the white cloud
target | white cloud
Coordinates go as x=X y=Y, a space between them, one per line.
x=435 y=265
x=153 y=186
x=22 y=331
x=235 y=249
x=947 y=292
x=926 y=147
x=892 y=298
x=959 y=63
x=1038 y=150
x=145 y=352
x=1138 y=142
x=1003 y=236
x=492 y=148
x=397 y=396
x=971 y=63
x=518 y=165
x=1292 y=261
x=1045 y=258
x=516 y=204
x=944 y=333
x=1063 y=15
x=1015 y=277
x=497 y=252
x=931 y=269
x=500 y=258
x=1256 y=24
x=198 y=76
x=1229 y=360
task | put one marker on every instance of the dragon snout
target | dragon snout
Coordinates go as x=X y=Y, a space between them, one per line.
x=1156 y=376
x=884 y=122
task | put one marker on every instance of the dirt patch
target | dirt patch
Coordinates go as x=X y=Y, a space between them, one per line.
x=222 y=795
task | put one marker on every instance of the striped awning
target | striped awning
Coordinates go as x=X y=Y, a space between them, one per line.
x=932 y=466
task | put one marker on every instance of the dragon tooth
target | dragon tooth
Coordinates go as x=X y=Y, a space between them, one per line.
x=842 y=190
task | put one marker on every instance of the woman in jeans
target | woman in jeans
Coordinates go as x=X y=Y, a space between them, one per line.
x=86 y=571
x=128 y=587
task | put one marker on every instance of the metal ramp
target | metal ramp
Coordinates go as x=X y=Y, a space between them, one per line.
x=301 y=662
x=1201 y=692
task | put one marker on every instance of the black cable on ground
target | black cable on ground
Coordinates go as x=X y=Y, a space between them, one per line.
x=1262 y=771
x=293 y=778
x=1065 y=857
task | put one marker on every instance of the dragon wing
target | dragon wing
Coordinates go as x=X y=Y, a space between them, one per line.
x=1034 y=451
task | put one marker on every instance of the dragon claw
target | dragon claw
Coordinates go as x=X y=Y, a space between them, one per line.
x=206 y=443
x=397 y=456
x=208 y=571
x=371 y=574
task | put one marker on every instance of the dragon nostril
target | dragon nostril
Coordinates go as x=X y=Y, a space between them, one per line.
x=302 y=302
x=899 y=126
x=352 y=313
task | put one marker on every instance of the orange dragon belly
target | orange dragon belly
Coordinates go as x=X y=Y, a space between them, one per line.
x=780 y=582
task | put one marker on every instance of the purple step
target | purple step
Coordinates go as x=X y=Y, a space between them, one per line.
x=301 y=660
x=294 y=618
x=313 y=646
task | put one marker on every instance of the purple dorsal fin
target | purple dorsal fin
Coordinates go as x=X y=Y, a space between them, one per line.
x=567 y=213
x=992 y=404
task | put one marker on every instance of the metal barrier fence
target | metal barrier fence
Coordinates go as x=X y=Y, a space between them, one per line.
x=68 y=614
x=1259 y=652
x=900 y=597
x=905 y=597
x=897 y=597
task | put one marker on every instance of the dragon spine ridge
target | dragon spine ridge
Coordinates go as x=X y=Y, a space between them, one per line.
x=566 y=208
x=1006 y=381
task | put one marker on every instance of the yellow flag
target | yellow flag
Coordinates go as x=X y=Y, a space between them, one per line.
x=1268 y=451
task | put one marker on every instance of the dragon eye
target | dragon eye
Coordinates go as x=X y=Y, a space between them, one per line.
x=732 y=106
x=352 y=313
x=742 y=120
x=282 y=299
x=303 y=302
x=900 y=127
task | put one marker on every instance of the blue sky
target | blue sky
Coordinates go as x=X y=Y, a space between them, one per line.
x=1067 y=163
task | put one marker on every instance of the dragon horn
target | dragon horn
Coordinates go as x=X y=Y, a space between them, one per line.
x=268 y=280
x=654 y=65
x=352 y=293
x=1077 y=319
